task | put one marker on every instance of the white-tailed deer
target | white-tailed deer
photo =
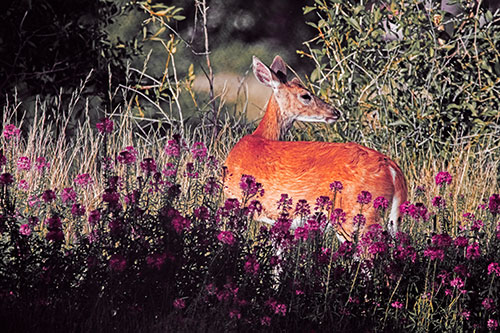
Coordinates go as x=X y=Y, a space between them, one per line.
x=305 y=170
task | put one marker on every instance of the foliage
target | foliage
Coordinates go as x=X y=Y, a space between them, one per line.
x=408 y=71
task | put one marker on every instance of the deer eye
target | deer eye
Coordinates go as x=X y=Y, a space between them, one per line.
x=305 y=98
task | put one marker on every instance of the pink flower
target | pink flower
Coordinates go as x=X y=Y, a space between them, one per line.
x=226 y=237
x=302 y=208
x=83 y=179
x=265 y=321
x=172 y=148
x=105 y=126
x=492 y=324
x=156 y=260
x=397 y=305
x=359 y=220
x=77 y=210
x=23 y=185
x=23 y=163
x=41 y=164
x=276 y=307
x=301 y=233
x=461 y=241
x=170 y=171
x=364 y=197
x=443 y=178
x=417 y=211
x=442 y=240
x=25 y=229
x=48 y=196
x=199 y=151
x=179 y=303
x=11 y=131
x=494 y=204
x=457 y=283
x=494 y=268
x=55 y=235
x=148 y=165
x=250 y=187
x=180 y=223
x=126 y=157
x=434 y=253
x=68 y=195
x=380 y=203
x=438 y=202
x=117 y=263
x=488 y=304
x=94 y=217
x=473 y=251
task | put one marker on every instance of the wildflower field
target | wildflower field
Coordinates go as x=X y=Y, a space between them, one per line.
x=121 y=224
x=145 y=241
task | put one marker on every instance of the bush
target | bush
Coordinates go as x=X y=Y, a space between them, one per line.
x=407 y=71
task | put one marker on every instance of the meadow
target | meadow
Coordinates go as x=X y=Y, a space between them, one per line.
x=123 y=226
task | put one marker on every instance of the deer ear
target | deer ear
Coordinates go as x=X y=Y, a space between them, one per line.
x=264 y=74
x=279 y=67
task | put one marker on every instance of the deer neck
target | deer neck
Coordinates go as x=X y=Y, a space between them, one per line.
x=273 y=125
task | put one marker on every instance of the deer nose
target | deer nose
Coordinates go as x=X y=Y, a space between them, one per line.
x=334 y=116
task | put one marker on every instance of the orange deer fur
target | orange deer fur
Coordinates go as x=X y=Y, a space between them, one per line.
x=305 y=170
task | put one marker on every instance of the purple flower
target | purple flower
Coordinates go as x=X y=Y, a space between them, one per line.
x=494 y=204
x=226 y=237
x=380 y=203
x=68 y=195
x=117 y=263
x=105 y=126
x=148 y=165
x=336 y=186
x=190 y=171
x=41 y=164
x=25 y=229
x=364 y=197
x=94 y=217
x=199 y=151
x=11 y=131
x=285 y=203
x=23 y=163
x=172 y=148
x=443 y=178
x=302 y=208
x=48 y=196
x=83 y=179
x=338 y=217
x=3 y=159
x=255 y=207
x=211 y=187
x=473 y=251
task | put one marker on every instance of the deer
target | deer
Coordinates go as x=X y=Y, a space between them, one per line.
x=305 y=169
